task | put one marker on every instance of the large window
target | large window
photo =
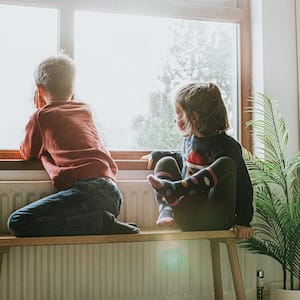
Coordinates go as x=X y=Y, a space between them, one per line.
x=129 y=66
x=27 y=34
x=130 y=58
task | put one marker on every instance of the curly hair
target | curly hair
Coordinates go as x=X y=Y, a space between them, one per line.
x=203 y=101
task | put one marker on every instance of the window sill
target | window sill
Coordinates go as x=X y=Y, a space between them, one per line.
x=19 y=164
x=126 y=160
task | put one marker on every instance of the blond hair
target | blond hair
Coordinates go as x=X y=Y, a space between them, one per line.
x=203 y=102
x=56 y=74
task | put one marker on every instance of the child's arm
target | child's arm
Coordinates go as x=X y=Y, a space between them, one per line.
x=244 y=196
x=32 y=143
x=155 y=156
x=39 y=101
x=244 y=192
x=149 y=159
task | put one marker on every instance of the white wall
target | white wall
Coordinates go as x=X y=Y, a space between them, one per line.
x=275 y=74
x=275 y=59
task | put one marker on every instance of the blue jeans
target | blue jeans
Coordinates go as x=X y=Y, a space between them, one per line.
x=75 y=211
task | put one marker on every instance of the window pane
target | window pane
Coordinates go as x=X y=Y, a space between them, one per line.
x=128 y=67
x=27 y=35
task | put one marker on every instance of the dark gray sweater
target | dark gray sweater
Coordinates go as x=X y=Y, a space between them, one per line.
x=201 y=152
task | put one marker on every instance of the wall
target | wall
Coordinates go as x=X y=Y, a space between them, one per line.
x=275 y=74
x=275 y=59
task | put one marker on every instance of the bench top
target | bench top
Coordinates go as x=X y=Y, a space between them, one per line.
x=146 y=235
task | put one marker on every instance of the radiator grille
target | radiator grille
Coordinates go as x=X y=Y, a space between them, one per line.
x=128 y=271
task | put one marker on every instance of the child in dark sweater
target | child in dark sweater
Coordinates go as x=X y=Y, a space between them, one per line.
x=207 y=185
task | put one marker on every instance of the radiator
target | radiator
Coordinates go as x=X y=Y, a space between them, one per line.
x=127 y=271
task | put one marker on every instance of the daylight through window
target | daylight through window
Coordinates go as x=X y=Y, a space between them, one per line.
x=23 y=44
x=130 y=66
x=130 y=60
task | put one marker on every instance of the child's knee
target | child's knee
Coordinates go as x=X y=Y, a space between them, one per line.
x=15 y=224
x=12 y=223
x=224 y=163
x=168 y=166
x=228 y=162
x=166 y=163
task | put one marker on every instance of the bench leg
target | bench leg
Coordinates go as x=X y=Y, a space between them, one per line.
x=216 y=267
x=235 y=269
x=3 y=250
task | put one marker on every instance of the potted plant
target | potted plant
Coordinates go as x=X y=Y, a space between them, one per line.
x=275 y=178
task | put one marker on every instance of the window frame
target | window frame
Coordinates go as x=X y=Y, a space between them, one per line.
x=231 y=11
x=297 y=11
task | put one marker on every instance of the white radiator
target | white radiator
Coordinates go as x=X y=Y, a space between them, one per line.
x=128 y=271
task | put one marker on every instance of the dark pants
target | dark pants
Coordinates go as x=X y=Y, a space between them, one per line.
x=213 y=210
x=75 y=211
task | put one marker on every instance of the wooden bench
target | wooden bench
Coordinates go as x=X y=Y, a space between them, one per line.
x=149 y=234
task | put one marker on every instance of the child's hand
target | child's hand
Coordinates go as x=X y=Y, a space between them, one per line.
x=39 y=101
x=243 y=232
x=148 y=157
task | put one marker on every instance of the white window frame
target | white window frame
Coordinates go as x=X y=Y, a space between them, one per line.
x=297 y=13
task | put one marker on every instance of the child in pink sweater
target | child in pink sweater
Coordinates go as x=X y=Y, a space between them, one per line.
x=62 y=134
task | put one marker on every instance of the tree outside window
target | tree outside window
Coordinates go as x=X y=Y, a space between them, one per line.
x=203 y=51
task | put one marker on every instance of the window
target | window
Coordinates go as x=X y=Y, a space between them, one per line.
x=298 y=46
x=129 y=66
x=27 y=35
x=130 y=57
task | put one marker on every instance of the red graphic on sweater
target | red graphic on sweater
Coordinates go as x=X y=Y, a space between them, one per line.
x=196 y=158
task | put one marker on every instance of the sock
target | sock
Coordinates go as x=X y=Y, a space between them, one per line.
x=165 y=217
x=112 y=226
x=172 y=202
x=173 y=191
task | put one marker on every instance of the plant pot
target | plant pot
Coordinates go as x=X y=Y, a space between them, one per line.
x=281 y=294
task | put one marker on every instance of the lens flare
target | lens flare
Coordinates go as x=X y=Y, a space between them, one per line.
x=171 y=256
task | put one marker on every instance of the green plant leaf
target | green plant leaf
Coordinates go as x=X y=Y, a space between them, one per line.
x=276 y=182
